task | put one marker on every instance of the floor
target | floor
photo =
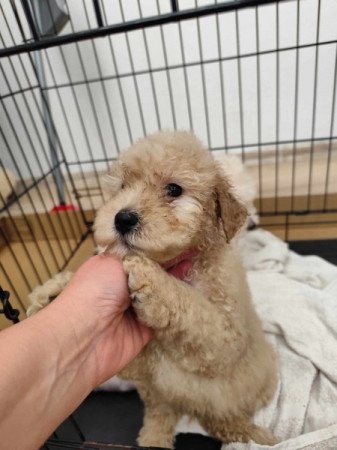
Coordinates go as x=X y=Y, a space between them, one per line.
x=116 y=418
x=326 y=249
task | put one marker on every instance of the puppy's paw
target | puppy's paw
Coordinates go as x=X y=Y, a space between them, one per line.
x=146 y=290
x=140 y=276
x=133 y=261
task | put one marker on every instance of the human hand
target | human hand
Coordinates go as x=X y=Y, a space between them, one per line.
x=98 y=296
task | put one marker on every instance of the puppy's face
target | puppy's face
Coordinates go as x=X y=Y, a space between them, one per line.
x=166 y=192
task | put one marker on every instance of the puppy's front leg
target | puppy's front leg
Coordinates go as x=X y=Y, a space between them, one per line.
x=177 y=310
x=148 y=291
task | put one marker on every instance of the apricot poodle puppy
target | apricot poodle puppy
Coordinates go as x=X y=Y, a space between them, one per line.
x=209 y=359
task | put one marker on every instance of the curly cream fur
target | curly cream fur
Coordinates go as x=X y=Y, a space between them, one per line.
x=40 y=296
x=209 y=358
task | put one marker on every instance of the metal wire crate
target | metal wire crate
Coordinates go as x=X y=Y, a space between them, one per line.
x=81 y=80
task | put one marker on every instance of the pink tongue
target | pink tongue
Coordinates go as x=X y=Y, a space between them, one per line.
x=185 y=256
x=181 y=269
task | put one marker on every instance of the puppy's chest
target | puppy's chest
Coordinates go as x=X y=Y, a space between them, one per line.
x=199 y=284
x=202 y=283
x=186 y=389
x=214 y=289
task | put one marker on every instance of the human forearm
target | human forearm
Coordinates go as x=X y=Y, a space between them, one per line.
x=47 y=374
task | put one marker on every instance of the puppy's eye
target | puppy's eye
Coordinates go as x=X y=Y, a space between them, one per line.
x=174 y=190
x=122 y=186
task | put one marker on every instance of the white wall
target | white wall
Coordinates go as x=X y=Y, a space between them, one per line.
x=91 y=127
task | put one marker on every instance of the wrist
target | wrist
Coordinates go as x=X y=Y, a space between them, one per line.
x=76 y=335
x=50 y=371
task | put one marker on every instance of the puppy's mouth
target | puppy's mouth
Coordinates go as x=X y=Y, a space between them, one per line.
x=187 y=256
x=183 y=259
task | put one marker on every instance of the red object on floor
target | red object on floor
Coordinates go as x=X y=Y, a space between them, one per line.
x=67 y=207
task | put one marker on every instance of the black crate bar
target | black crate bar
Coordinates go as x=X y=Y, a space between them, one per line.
x=175 y=16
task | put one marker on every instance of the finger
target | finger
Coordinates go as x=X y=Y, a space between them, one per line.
x=146 y=333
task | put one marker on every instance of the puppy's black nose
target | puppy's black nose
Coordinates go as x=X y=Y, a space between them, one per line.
x=126 y=221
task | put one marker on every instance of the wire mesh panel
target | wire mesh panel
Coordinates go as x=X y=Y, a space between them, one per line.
x=82 y=79
x=256 y=81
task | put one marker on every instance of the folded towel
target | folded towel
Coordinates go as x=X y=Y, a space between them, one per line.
x=261 y=250
x=296 y=299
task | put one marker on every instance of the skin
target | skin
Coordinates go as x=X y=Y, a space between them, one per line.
x=54 y=359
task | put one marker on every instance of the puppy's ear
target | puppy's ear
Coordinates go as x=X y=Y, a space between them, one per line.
x=229 y=210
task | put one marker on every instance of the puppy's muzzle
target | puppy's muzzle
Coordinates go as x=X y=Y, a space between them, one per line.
x=126 y=221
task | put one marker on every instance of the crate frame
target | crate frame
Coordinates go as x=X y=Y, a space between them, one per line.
x=80 y=222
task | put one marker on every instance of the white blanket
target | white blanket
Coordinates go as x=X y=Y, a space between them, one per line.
x=296 y=299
